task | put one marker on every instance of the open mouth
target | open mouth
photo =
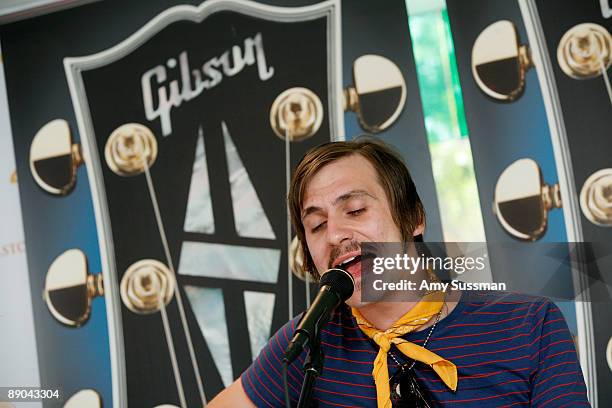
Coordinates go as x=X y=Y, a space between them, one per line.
x=362 y=257
x=347 y=263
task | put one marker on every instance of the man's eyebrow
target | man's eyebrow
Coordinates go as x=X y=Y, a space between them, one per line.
x=352 y=194
x=342 y=198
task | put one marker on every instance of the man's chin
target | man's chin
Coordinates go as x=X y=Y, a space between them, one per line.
x=355 y=300
x=357 y=304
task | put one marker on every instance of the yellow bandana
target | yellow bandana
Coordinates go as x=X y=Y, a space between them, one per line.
x=430 y=305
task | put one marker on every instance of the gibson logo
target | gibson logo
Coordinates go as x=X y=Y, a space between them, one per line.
x=211 y=73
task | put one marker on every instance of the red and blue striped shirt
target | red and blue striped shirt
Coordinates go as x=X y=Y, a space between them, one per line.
x=510 y=351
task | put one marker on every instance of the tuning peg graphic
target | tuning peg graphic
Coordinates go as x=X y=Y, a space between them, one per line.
x=296 y=113
x=500 y=61
x=70 y=288
x=378 y=94
x=84 y=399
x=596 y=198
x=54 y=158
x=128 y=147
x=585 y=51
x=522 y=200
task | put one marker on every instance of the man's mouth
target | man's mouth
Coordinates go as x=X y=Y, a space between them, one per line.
x=348 y=262
x=351 y=262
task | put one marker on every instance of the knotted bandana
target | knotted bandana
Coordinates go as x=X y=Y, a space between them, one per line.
x=429 y=306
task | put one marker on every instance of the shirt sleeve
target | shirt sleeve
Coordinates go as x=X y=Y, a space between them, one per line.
x=263 y=380
x=556 y=378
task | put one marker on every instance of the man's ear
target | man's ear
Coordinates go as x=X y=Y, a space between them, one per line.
x=419 y=230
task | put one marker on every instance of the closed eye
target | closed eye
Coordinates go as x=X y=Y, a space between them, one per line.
x=357 y=212
x=318 y=227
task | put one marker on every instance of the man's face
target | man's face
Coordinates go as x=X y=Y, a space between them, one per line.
x=344 y=205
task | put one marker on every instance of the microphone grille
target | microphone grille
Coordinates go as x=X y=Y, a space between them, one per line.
x=339 y=280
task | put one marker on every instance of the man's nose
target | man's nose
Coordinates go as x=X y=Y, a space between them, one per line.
x=338 y=232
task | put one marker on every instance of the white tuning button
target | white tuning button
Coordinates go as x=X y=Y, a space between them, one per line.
x=84 y=399
x=54 y=159
x=500 y=61
x=378 y=95
x=70 y=288
x=522 y=200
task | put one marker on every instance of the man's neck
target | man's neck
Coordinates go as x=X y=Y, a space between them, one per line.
x=384 y=314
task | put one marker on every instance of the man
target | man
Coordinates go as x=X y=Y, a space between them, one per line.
x=441 y=350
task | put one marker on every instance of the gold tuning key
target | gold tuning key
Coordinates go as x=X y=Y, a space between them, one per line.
x=522 y=200
x=596 y=198
x=127 y=147
x=378 y=95
x=585 y=51
x=500 y=62
x=144 y=283
x=296 y=260
x=54 y=159
x=84 y=399
x=70 y=288
x=296 y=113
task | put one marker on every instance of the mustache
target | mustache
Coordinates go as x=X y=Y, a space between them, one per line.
x=342 y=249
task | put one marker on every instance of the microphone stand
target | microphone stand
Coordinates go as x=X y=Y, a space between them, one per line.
x=313 y=367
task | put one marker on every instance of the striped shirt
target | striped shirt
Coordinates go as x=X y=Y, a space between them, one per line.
x=510 y=351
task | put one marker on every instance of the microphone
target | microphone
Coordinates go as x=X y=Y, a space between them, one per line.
x=336 y=286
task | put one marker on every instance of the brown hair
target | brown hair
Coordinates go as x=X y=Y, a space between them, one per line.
x=406 y=207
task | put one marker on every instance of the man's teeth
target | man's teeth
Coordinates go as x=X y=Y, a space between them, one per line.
x=346 y=261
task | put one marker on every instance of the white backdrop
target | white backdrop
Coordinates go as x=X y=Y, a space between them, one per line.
x=18 y=356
